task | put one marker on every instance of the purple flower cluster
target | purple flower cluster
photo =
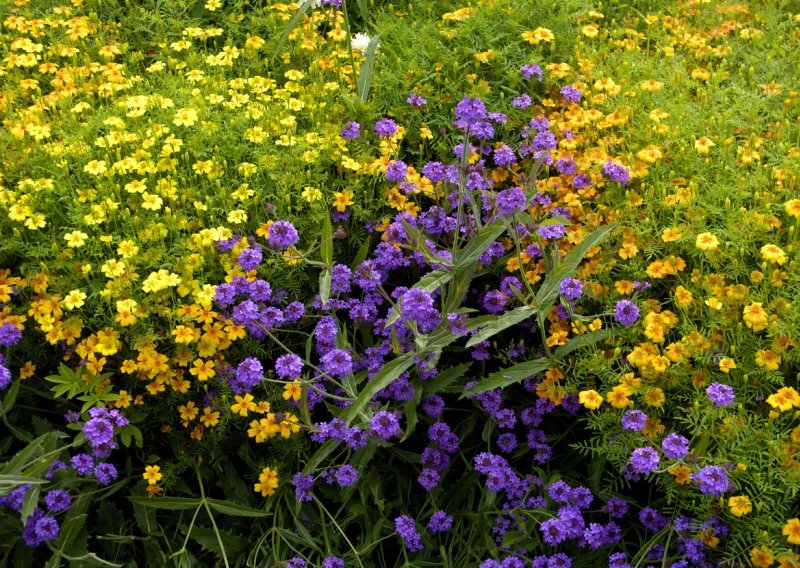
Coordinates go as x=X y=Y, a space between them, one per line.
x=10 y=334
x=712 y=480
x=720 y=394
x=645 y=460
x=282 y=235
x=249 y=374
x=617 y=172
x=351 y=131
x=407 y=530
x=626 y=313
x=675 y=446
x=571 y=289
x=385 y=127
x=436 y=456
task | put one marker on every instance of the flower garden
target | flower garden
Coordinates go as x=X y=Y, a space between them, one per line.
x=366 y=283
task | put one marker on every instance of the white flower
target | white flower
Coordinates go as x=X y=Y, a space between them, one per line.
x=360 y=42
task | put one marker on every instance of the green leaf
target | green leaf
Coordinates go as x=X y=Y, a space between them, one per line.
x=207 y=538
x=304 y=7
x=235 y=509
x=11 y=397
x=363 y=8
x=586 y=340
x=502 y=322
x=509 y=376
x=548 y=292
x=129 y=433
x=319 y=456
x=325 y=278
x=10 y=482
x=410 y=409
x=361 y=254
x=326 y=247
x=168 y=503
x=27 y=457
x=389 y=373
x=367 y=69
x=443 y=381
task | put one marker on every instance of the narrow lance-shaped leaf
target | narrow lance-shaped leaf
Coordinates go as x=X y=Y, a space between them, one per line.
x=325 y=279
x=509 y=376
x=304 y=7
x=502 y=322
x=234 y=509
x=367 y=69
x=548 y=293
x=326 y=247
x=586 y=340
x=389 y=373
x=168 y=503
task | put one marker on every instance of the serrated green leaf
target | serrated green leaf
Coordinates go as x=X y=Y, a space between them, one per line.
x=207 y=539
x=586 y=340
x=168 y=503
x=389 y=373
x=509 y=376
x=502 y=322
x=235 y=509
x=548 y=292
x=11 y=396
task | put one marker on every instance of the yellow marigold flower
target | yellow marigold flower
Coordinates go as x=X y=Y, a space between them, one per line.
x=671 y=234
x=267 y=482
x=311 y=194
x=590 y=399
x=96 y=167
x=188 y=411
x=792 y=208
x=292 y=390
x=237 y=217
x=209 y=418
x=27 y=370
x=535 y=37
x=683 y=297
x=791 y=530
x=184 y=334
x=74 y=299
x=682 y=474
x=152 y=473
x=651 y=154
x=768 y=359
x=706 y=241
x=76 y=239
x=203 y=370
x=341 y=199
x=654 y=397
x=618 y=396
x=726 y=364
x=703 y=145
x=739 y=505
x=243 y=404
x=755 y=316
x=123 y=399
x=651 y=85
x=590 y=31
x=185 y=117
x=713 y=303
x=773 y=254
x=761 y=557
